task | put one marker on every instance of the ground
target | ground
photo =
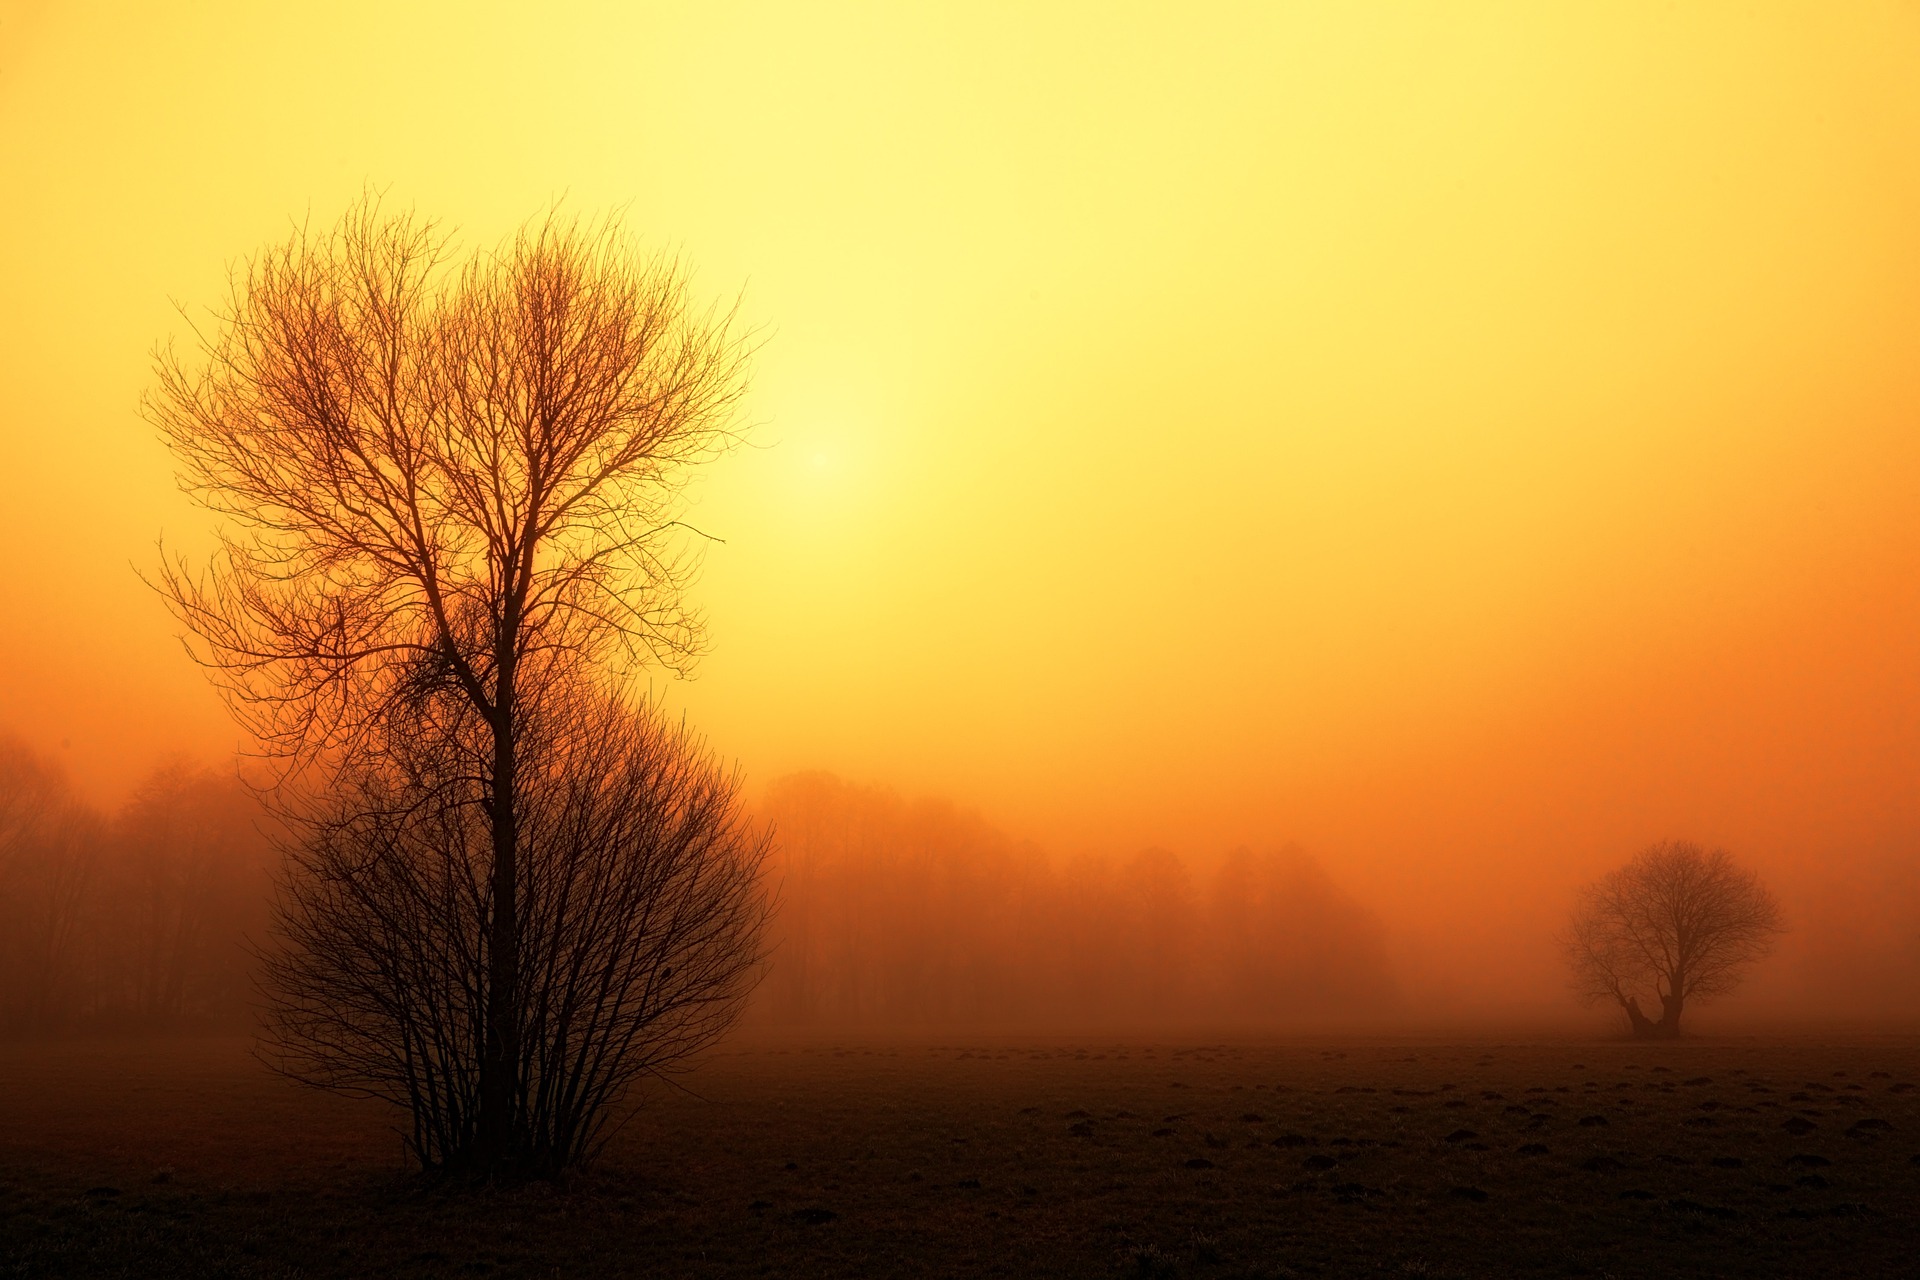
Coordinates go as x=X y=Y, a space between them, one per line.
x=1712 y=1157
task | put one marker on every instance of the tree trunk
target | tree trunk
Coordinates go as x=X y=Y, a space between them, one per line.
x=1644 y=1028
x=1668 y=1027
x=500 y=1057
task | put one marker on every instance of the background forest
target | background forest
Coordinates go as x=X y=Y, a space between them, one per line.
x=890 y=913
x=135 y=919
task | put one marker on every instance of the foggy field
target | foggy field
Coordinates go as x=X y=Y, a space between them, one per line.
x=1390 y=1157
x=590 y=581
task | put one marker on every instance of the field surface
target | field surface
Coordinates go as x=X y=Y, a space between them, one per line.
x=1365 y=1158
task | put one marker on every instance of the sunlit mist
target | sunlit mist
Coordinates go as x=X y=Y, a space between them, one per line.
x=1408 y=457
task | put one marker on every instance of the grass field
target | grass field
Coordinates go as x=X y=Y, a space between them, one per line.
x=1374 y=1158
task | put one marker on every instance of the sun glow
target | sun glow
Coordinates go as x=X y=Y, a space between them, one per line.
x=1466 y=438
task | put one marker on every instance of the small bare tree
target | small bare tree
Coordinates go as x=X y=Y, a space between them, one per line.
x=640 y=925
x=446 y=487
x=1679 y=922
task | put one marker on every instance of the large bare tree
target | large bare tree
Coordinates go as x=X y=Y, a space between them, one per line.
x=446 y=478
x=1678 y=922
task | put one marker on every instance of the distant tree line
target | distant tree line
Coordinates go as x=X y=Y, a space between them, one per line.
x=891 y=913
x=904 y=914
x=894 y=913
x=130 y=920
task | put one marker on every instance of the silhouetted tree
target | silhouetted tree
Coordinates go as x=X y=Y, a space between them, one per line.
x=639 y=930
x=446 y=488
x=1679 y=922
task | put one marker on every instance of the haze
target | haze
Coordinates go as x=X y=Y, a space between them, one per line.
x=1468 y=441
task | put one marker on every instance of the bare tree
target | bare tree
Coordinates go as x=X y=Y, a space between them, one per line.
x=1679 y=922
x=446 y=483
x=640 y=925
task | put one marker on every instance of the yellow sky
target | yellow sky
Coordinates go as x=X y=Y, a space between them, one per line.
x=1463 y=436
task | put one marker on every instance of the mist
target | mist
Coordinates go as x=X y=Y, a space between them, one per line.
x=1395 y=440
x=136 y=919
x=960 y=638
x=909 y=916
x=917 y=915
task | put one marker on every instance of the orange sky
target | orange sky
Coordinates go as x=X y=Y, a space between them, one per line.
x=1471 y=439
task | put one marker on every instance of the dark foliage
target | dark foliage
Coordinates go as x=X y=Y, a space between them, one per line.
x=640 y=913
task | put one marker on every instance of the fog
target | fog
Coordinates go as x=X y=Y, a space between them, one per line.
x=910 y=916
x=917 y=915
x=138 y=919
x=1245 y=510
